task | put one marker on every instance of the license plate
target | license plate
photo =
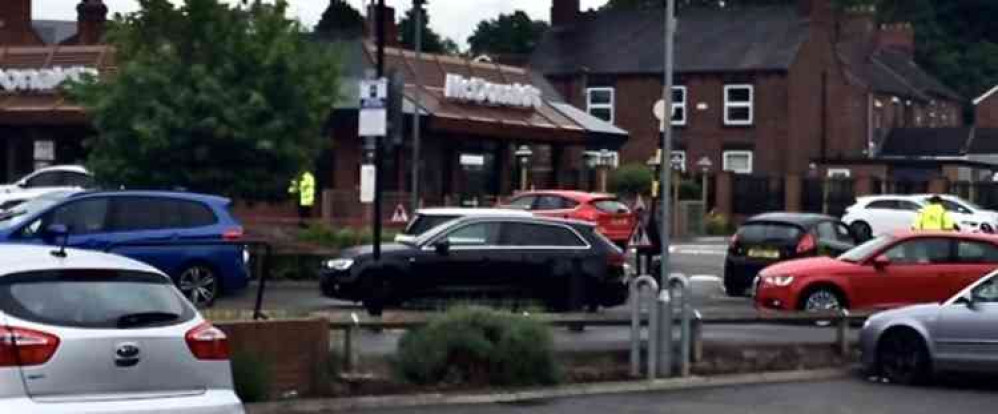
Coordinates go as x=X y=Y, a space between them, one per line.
x=764 y=253
x=619 y=222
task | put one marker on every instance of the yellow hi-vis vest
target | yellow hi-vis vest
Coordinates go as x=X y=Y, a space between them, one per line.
x=304 y=186
x=934 y=217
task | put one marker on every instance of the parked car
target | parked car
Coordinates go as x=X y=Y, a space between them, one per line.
x=42 y=181
x=886 y=272
x=109 y=221
x=613 y=218
x=877 y=215
x=777 y=237
x=428 y=218
x=84 y=331
x=909 y=345
x=567 y=264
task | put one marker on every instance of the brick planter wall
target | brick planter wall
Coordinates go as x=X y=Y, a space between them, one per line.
x=295 y=349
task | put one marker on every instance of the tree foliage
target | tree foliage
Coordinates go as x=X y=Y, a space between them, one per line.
x=514 y=34
x=432 y=42
x=340 y=17
x=210 y=98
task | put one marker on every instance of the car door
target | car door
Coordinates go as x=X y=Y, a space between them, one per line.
x=465 y=268
x=143 y=220
x=903 y=216
x=974 y=259
x=833 y=238
x=967 y=333
x=523 y=202
x=549 y=260
x=912 y=276
x=554 y=206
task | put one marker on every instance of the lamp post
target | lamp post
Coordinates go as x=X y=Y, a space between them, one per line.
x=705 y=165
x=523 y=155
x=605 y=160
x=676 y=165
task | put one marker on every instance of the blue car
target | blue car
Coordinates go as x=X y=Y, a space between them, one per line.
x=111 y=221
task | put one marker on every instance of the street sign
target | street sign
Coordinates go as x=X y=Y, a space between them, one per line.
x=367 y=176
x=400 y=215
x=640 y=238
x=373 y=120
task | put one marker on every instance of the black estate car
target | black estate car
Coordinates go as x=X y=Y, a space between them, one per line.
x=776 y=237
x=566 y=264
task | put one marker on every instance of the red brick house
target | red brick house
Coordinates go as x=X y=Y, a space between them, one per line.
x=986 y=109
x=759 y=89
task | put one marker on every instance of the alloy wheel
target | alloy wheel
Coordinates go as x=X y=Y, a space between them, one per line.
x=902 y=358
x=822 y=300
x=199 y=285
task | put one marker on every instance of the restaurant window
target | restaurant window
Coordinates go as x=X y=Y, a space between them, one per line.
x=738 y=104
x=679 y=105
x=739 y=162
x=599 y=103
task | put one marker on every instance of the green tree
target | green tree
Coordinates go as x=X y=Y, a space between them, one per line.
x=432 y=41
x=340 y=17
x=512 y=33
x=210 y=98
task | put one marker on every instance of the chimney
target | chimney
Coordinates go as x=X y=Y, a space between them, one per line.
x=564 y=12
x=91 y=21
x=15 y=23
x=392 y=38
x=897 y=36
x=857 y=29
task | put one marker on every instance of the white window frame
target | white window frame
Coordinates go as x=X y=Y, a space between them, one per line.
x=613 y=100
x=730 y=105
x=681 y=105
x=751 y=161
x=681 y=154
x=839 y=173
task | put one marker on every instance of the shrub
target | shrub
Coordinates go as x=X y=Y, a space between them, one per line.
x=689 y=190
x=481 y=347
x=252 y=377
x=631 y=179
x=718 y=225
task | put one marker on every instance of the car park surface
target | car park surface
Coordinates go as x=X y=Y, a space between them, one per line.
x=886 y=272
x=83 y=331
x=567 y=264
x=771 y=238
x=112 y=220
x=614 y=219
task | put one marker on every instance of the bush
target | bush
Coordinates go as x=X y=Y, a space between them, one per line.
x=689 y=190
x=481 y=347
x=252 y=377
x=718 y=225
x=631 y=180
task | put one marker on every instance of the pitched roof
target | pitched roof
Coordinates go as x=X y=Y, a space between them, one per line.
x=926 y=142
x=54 y=32
x=986 y=95
x=909 y=75
x=707 y=40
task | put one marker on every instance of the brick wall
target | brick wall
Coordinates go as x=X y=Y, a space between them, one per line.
x=987 y=112
x=16 y=28
x=294 y=349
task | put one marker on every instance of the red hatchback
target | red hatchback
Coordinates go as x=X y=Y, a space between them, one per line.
x=886 y=272
x=612 y=217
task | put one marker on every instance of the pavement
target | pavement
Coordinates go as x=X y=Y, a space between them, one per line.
x=851 y=394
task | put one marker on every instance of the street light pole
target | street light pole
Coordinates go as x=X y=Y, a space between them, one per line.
x=418 y=14
x=380 y=15
x=666 y=157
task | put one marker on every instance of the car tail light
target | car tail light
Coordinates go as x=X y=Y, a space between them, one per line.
x=208 y=342
x=806 y=244
x=26 y=347
x=234 y=233
x=589 y=215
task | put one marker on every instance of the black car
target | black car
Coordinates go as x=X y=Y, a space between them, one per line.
x=566 y=264
x=775 y=237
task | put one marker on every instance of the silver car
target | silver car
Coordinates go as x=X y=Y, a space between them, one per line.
x=87 y=332
x=909 y=345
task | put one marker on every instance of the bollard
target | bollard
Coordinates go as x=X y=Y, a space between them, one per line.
x=654 y=344
x=635 y=298
x=683 y=284
x=665 y=346
x=841 y=337
x=697 y=339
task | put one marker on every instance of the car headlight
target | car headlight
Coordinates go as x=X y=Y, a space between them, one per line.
x=780 y=281
x=339 y=264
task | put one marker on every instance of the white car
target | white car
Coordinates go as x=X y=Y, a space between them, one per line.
x=883 y=214
x=429 y=218
x=43 y=181
x=88 y=332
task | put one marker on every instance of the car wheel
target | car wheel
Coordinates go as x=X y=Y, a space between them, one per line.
x=902 y=358
x=199 y=284
x=862 y=231
x=378 y=291
x=822 y=299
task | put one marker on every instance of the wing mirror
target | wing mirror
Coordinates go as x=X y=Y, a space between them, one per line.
x=967 y=301
x=442 y=247
x=881 y=262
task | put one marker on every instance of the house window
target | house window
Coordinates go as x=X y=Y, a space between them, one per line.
x=679 y=159
x=839 y=173
x=738 y=100
x=599 y=103
x=739 y=162
x=679 y=105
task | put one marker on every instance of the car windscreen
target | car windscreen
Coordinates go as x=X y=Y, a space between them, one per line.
x=769 y=232
x=422 y=223
x=863 y=251
x=93 y=299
